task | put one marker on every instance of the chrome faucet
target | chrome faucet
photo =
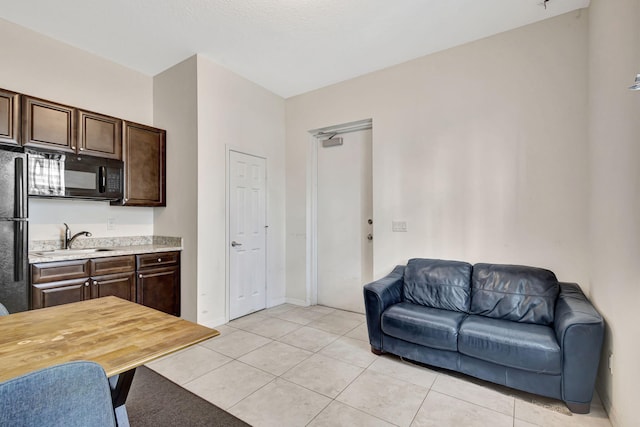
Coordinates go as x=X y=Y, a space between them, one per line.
x=68 y=239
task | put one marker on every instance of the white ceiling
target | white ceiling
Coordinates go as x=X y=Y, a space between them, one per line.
x=287 y=46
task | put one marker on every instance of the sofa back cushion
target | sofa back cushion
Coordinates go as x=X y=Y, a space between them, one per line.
x=438 y=283
x=514 y=292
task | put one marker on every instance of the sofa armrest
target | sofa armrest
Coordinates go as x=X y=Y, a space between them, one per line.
x=579 y=329
x=378 y=296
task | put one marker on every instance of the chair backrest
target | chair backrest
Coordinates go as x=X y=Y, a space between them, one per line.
x=514 y=292
x=74 y=394
x=438 y=283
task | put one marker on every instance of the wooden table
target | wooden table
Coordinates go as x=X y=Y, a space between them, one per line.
x=119 y=335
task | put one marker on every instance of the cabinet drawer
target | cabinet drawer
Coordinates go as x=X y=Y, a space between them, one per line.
x=62 y=270
x=158 y=259
x=110 y=265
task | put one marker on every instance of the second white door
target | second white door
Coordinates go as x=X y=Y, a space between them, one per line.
x=247 y=234
x=345 y=206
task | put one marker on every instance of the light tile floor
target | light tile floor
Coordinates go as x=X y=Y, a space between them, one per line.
x=312 y=366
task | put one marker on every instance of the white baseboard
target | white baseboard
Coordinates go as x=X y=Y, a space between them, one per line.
x=213 y=322
x=608 y=407
x=275 y=302
x=296 y=301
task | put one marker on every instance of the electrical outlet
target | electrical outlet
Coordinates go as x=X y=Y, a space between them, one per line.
x=399 y=226
x=111 y=223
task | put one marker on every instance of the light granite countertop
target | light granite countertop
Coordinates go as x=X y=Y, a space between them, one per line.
x=41 y=251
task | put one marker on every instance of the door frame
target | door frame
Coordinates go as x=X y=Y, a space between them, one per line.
x=315 y=136
x=227 y=269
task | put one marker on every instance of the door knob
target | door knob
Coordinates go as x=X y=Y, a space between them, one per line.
x=234 y=244
x=369 y=236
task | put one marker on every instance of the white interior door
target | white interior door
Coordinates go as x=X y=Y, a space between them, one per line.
x=345 y=206
x=247 y=234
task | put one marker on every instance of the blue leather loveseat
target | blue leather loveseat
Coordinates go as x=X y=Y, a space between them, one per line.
x=508 y=324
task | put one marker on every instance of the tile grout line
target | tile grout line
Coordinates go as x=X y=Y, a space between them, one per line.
x=421 y=405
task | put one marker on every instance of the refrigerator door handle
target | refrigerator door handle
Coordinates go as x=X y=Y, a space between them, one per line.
x=18 y=253
x=19 y=188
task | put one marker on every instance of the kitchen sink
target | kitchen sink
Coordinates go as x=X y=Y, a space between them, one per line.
x=72 y=251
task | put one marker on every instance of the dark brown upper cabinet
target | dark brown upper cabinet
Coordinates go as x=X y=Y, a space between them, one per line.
x=9 y=117
x=144 y=155
x=59 y=127
x=99 y=135
x=48 y=125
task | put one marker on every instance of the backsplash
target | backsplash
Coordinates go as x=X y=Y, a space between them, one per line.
x=106 y=242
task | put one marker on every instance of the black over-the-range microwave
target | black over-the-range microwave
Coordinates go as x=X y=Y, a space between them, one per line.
x=55 y=174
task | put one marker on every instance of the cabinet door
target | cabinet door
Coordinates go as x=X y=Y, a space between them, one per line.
x=56 y=293
x=48 y=125
x=99 y=135
x=9 y=117
x=159 y=288
x=145 y=165
x=122 y=285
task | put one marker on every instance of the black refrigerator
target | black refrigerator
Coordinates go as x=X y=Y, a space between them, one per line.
x=14 y=263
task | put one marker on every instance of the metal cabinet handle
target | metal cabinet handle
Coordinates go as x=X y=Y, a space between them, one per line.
x=140 y=276
x=95 y=282
x=159 y=259
x=234 y=244
x=81 y=148
x=86 y=283
x=369 y=236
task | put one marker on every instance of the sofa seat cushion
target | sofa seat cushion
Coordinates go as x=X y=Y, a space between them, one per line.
x=421 y=325
x=514 y=292
x=438 y=283
x=523 y=346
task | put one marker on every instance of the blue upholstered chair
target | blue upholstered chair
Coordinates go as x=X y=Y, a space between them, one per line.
x=74 y=394
x=3 y=310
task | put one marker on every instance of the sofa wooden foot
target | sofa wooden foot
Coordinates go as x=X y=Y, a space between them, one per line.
x=579 y=408
x=376 y=351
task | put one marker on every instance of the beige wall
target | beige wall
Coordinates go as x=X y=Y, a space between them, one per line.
x=42 y=67
x=234 y=113
x=481 y=149
x=175 y=109
x=206 y=110
x=614 y=135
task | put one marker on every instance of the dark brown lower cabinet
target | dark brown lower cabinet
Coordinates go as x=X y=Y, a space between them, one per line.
x=63 y=282
x=121 y=285
x=158 y=281
x=61 y=292
x=148 y=279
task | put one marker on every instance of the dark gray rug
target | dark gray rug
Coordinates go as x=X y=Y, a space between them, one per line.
x=155 y=401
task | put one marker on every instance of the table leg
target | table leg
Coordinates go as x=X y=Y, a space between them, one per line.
x=120 y=385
